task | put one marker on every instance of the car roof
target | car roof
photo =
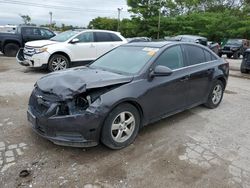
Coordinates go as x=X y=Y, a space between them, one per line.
x=151 y=44
x=95 y=30
x=192 y=36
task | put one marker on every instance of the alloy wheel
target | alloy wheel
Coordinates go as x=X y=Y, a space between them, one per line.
x=59 y=64
x=217 y=94
x=123 y=127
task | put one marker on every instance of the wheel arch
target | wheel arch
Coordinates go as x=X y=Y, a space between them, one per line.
x=131 y=102
x=59 y=53
x=223 y=80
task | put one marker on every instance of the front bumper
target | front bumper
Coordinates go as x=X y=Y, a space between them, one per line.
x=36 y=60
x=227 y=52
x=81 y=130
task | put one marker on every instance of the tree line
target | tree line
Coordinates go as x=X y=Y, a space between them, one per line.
x=214 y=19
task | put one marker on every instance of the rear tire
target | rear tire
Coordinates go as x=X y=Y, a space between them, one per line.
x=216 y=95
x=11 y=49
x=243 y=69
x=121 y=126
x=58 y=62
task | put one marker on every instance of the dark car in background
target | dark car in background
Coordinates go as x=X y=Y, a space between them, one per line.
x=197 y=39
x=10 y=43
x=133 y=85
x=235 y=48
x=138 y=39
x=245 y=64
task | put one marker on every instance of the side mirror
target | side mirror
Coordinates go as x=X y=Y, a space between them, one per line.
x=75 y=40
x=160 y=70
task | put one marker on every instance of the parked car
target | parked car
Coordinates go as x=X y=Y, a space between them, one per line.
x=235 y=48
x=131 y=86
x=245 y=64
x=138 y=39
x=11 y=42
x=214 y=46
x=196 y=39
x=69 y=47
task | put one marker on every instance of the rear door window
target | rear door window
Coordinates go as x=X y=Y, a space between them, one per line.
x=103 y=37
x=209 y=56
x=194 y=54
x=31 y=32
x=171 y=58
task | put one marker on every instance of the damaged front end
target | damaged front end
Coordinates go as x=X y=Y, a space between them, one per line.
x=66 y=107
x=72 y=122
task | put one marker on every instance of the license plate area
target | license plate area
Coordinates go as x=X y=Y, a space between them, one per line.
x=31 y=118
x=27 y=57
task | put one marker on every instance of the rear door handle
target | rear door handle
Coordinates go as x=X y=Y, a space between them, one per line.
x=184 y=79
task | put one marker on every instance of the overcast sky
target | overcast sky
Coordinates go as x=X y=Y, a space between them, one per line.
x=70 y=12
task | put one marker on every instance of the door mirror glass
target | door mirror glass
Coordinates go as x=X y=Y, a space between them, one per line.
x=75 y=40
x=160 y=70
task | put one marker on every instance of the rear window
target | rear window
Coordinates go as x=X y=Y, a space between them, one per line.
x=115 y=37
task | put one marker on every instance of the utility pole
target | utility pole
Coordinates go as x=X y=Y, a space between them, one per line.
x=50 y=20
x=159 y=22
x=119 y=17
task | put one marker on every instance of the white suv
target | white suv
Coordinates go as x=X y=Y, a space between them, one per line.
x=61 y=51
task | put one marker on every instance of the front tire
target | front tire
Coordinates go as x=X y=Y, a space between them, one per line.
x=58 y=62
x=11 y=49
x=121 y=126
x=216 y=95
x=236 y=55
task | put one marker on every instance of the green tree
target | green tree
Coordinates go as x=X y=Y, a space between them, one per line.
x=103 y=23
x=26 y=19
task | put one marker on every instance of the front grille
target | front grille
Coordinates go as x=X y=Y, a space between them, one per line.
x=227 y=48
x=40 y=129
x=29 y=51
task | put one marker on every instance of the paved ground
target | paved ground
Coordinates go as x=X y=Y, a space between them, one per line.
x=196 y=148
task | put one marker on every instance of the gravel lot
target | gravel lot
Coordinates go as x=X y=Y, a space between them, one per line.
x=196 y=148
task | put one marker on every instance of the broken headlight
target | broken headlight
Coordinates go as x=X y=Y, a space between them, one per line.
x=62 y=109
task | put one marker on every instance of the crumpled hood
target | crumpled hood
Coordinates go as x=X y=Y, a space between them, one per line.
x=67 y=84
x=40 y=43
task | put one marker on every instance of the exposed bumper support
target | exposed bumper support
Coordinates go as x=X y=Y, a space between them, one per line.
x=20 y=58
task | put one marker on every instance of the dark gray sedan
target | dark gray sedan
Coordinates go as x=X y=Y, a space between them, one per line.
x=131 y=86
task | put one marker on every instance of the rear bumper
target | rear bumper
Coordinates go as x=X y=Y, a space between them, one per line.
x=36 y=60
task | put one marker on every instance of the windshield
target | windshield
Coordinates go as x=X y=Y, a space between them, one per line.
x=62 y=37
x=234 y=42
x=126 y=59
